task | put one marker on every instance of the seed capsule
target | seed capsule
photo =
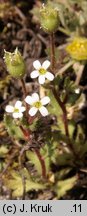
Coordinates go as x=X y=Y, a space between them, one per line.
x=15 y=63
x=49 y=18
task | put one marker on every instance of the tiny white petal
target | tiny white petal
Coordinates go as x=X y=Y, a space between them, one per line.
x=35 y=97
x=45 y=100
x=37 y=65
x=18 y=104
x=77 y=91
x=20 y=114
x=46 y=64
x=41 y=79
x=43 y=111
x=29 y=100
x=22 y=109
x=49 y=76
x=34 y=74
x=9 y=109
x=33 y=111
x=17 y=115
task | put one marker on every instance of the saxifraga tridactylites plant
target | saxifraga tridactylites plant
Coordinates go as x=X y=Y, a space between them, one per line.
x=60 y=145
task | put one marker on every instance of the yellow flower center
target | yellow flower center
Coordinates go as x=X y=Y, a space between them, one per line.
x=16 y=110
x=37 y=104
x=42 y=71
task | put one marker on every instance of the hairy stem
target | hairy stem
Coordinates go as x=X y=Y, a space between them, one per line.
x=27 y=134
x=65 y=121
x=52 y=51
x=63 y=110
x=61 y=104
x=23 y=88
x=37 y=152
x=24 y=96
x=53 y=89
x=41 y=162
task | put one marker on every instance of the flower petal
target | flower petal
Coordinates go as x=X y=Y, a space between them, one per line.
x=17 y=115
x=33 y=111
x=35 y=97
x=49 y=76
x=22 y=109
x=37 y=65
x=77 y=91
x=41 y=79
x=34 y=74
x=9 y=109
x=18 y=104
x=46 y=64
x=45 y=100
x=29 y=100
x=43 y=111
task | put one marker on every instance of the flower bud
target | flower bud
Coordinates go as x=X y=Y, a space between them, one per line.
x=78 y=48
x=15 y=63
x=49 y=18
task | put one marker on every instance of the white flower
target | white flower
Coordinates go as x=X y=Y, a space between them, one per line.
x=77 y=91
x=37 y=104
x=17 y=110
x=41 y=71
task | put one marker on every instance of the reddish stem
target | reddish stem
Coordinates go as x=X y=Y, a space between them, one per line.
x=52 y=51
x=65 y=120
x=42 y=162
x=23 y=88
x=26 y=132
x=61 y=104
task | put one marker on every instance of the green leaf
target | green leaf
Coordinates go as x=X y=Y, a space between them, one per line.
x=80 y=144
x=34 y=160
x=15 y=183
x=83 y=149
x=12 y=128
x=71 y=126
x=4 y=83
x=65 y=185
x=3 y=151
x=55 y=109
x=62 y=173
x=64 y=159
x=36 y=14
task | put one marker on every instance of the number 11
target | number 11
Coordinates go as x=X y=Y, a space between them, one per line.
x=77 y=206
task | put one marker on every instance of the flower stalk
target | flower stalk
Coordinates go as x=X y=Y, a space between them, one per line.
x=27 y=134
x=37 y=152
x=52 y=52
x=61 y=104
x=24 y=96
x=24 y=88
x=65 y=121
